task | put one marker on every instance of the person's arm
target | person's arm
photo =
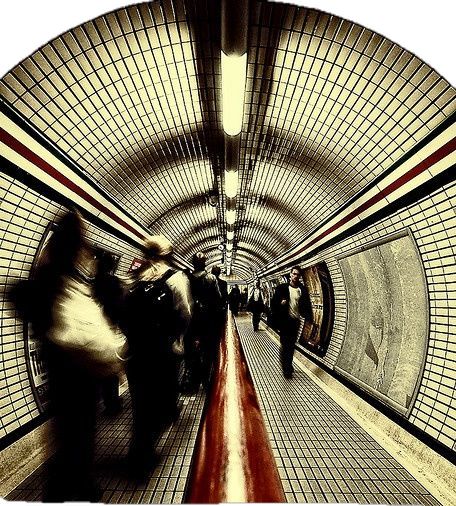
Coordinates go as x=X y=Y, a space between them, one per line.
x=180 y=288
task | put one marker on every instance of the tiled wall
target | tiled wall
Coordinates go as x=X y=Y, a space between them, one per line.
x=24 y=217
x=432 y=222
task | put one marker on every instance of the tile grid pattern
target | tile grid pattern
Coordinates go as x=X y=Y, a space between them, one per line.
x=322 y=454
x=329 y=105
x=432 y=221
x=25 y=215
x=164 y=485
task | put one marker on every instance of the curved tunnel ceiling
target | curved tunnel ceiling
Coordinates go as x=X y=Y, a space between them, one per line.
x=133 y=98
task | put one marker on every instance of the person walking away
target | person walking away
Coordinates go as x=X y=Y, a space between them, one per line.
x=289 y=304
x=79 y=346
x=244 y=299
x=222 y=284
x=109 y=291
x=223 y=289
x=205 y=329
x=234 y=300
x=256 y=305
x=157 y=315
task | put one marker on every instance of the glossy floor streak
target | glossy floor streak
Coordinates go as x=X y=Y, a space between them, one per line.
x=322 y=454
x=165 y=484
x=233 y=460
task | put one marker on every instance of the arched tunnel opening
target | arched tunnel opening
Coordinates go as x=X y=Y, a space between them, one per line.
x=267 y=136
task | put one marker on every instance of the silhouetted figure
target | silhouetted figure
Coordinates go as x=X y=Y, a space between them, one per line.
x=289 y=304
x=109 y=291
x=157 y=314
x=59 y=304
x=223 y=289
x=244 y=298
x=222 y=284
x=204 y=332
x=256 y=305
x=234 y=299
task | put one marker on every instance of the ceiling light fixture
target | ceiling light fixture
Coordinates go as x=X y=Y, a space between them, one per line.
x=233 y=87
x=231 y=183
x=231 y=217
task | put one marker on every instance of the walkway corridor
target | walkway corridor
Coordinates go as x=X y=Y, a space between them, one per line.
x=323 y=455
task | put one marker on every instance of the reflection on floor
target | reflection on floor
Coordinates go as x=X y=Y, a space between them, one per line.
x=322 y=454
x=166 y=484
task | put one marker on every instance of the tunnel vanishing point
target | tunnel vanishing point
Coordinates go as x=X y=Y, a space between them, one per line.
x=265 y=135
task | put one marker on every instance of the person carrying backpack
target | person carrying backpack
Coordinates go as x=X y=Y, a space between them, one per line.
x=157 y=315
x=203 y=337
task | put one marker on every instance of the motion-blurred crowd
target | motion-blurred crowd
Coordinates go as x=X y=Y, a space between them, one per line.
x=160 y=326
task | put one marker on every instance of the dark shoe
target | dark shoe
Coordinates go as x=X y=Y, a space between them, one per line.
x=139 y=465
x=112 y=410
x=288 y=372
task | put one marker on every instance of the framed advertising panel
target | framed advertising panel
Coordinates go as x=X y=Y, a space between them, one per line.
x=36 y=368
x=388 y=320
x=315 y=334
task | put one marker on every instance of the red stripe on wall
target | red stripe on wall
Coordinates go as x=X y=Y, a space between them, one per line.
x=32 y=157
x=428 y=162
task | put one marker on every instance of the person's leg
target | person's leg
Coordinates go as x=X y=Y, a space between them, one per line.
x=256 y=320
x=110 y=395
x=288 y=336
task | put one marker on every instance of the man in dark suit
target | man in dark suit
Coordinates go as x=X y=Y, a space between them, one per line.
x=289 y=304
x=222 y=284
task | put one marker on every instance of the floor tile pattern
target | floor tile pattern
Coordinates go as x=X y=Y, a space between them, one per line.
x=165 y=484
x=322 y=454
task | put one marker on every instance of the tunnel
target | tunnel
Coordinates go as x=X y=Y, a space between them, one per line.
x=331 y=148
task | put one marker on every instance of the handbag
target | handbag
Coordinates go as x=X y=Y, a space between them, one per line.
x=81 y=329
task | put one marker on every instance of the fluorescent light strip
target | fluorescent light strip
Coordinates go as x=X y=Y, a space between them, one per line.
x=230 y=217
x=233 y=86
x=231 y=183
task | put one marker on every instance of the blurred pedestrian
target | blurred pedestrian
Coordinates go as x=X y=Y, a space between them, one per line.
x=109 y=291
x=234 y=299
x=79 y=347
x=223 y=289
x=157 y=315
x=244 y=299
x=222 y=284
x=204 y=335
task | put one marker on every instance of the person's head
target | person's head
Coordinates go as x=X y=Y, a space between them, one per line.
x=216 y=271
x=157 y=247
x=295 y=275
x=66 y=243
x=106 y=263
x=199 y=261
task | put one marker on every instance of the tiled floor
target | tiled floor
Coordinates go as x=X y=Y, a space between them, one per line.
x=322 y=454
x=166 y=484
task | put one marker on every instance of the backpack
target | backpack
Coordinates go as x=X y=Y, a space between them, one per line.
x=205 y=294
x=149 y=315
